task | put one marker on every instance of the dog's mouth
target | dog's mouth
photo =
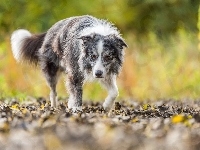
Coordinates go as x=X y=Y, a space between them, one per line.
x=99 y=77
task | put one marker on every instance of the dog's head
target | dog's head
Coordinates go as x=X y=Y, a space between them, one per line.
x=102 y=54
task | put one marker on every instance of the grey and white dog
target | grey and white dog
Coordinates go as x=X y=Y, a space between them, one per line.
x=83 y=47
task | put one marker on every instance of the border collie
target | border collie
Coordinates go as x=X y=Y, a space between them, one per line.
x=82 y=47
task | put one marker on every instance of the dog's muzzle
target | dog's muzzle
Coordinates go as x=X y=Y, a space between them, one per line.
x=99 y=74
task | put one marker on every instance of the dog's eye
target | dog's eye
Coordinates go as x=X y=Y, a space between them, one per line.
x=107 y=58
x=93 y=57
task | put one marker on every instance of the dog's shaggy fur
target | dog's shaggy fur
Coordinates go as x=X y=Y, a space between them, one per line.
x=83 y=47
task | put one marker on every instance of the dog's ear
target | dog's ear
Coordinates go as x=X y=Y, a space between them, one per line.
x=86 y=39
x=118 y=41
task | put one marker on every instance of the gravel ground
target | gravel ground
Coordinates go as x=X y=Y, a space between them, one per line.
x=160 y=125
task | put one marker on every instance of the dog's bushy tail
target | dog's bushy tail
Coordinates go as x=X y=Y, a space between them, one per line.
x=25 y=46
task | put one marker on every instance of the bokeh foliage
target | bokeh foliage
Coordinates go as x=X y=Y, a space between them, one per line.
x=162 y=59
x=160 y=16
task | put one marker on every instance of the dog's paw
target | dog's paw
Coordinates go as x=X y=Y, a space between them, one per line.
x=75 y=109
x=74 y=105
x=53 y=105
x=107 y=106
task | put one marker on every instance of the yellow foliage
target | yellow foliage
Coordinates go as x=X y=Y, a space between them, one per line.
x=178 y=119
x=42 y=107
x=146 y=106
x=181 y=119
x=15 y=107
x=135 y=120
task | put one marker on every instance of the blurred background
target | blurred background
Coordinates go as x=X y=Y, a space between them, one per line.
x=162 y=60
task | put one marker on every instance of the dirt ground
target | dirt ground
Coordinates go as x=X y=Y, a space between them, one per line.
x=151 y=125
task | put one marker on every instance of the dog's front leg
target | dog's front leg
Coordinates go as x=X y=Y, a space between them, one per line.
x=74 y=84
x=111 y=86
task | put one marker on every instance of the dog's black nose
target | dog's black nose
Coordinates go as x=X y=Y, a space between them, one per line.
x=99 y=73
